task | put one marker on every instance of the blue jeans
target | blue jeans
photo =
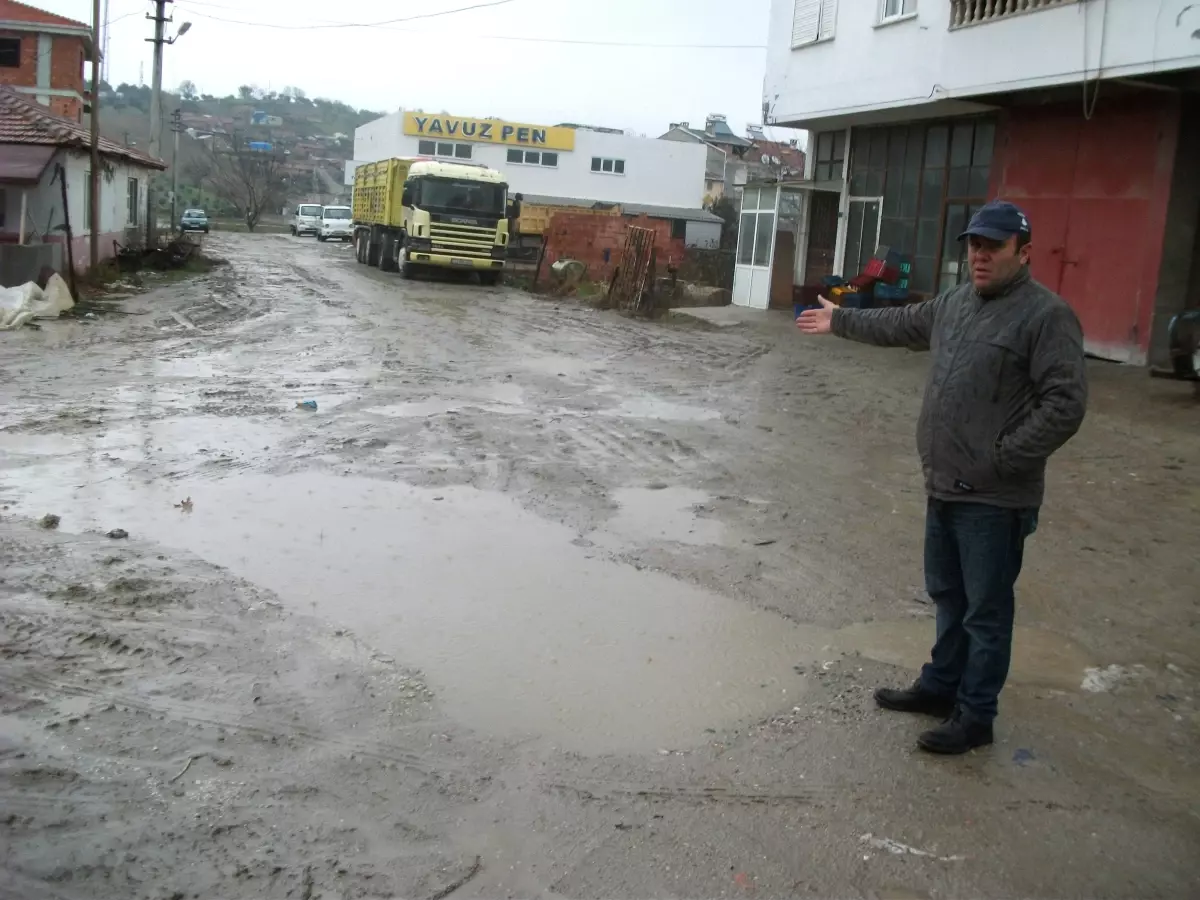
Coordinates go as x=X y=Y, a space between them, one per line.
x=973 y=554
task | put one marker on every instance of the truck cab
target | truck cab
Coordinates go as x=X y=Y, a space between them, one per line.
x=411 y=214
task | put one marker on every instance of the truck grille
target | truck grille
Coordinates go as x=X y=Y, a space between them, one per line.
x=462 y=240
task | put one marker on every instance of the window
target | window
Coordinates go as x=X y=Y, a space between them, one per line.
x=930 y=176
x=890 y=10
x=10 y=53
x=830 y=156
x=132 y=201
x=444 y=148
x=679 y=228
x=812 y=21
x=608 y=166
x=532 y=157
x=756 y=233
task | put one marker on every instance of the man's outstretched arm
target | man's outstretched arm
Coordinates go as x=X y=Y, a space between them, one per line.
x=901 y=326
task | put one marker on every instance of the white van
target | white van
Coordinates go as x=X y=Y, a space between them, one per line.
x=336 y=224
x=307 y=219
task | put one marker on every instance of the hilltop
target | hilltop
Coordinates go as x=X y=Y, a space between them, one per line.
x=316 y=135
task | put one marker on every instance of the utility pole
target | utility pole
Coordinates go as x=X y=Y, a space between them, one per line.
x=94 y=186
x=176 y=127
x=160 y=22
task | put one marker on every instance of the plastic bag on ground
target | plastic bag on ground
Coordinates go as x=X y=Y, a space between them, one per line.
x=20 y=304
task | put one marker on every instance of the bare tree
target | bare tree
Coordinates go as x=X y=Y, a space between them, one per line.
x=245 y=175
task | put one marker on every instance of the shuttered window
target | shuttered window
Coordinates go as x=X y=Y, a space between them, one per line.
x=812 y=21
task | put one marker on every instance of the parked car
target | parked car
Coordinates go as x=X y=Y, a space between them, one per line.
x=194 y=220
x=307 y=219
x=336 y=223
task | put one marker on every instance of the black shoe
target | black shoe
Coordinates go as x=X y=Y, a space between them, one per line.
x=956 y=735
x=915 y=700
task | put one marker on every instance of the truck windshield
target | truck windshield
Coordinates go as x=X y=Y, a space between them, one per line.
x=309 y=211
x=475 y=198
x=337 y=212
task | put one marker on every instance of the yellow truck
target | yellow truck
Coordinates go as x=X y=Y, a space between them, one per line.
x=411 y=213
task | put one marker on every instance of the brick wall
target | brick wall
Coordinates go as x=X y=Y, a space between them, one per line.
x=26 y=75
x=67 y=60
x=597 y=241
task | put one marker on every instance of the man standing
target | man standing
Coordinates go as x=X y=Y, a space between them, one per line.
x=1007 y=387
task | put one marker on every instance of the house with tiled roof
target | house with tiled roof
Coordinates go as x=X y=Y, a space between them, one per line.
x=44 y=55
x=726 y=150
x=39 y=152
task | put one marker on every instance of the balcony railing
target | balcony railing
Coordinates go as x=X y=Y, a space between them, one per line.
x=977 y=12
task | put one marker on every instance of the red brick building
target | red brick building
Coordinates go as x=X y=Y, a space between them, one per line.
x=43 y=55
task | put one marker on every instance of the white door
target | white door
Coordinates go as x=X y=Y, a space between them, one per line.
x=756 y=247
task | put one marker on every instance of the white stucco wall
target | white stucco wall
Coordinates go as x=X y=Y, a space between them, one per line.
x=664 y=173
x=44 y=202
x=920 y=62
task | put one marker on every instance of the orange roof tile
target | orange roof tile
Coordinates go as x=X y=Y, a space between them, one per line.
x=12 y=11
x=25 y=121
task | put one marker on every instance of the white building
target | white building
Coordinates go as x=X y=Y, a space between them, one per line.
x=34 y=144
x=1086 y=113
x=566 y=161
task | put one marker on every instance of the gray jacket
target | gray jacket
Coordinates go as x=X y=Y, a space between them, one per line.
x=1007 y=386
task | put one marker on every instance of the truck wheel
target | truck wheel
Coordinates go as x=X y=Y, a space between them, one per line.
x=373 y=250
x=360 y=247
x=387 y=253
x=408 y=270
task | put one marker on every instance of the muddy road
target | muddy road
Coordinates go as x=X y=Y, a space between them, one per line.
x=540 y=601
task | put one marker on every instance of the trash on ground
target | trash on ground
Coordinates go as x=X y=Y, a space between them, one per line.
x=185 y=505
x=24 y=303
x=50 y=520
x=1022 y=756
x=309 y=405
x=1101 y=680
x=899 y=849
x=118 y=534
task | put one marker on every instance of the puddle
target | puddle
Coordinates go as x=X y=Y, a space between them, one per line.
x=647 y=515
x=1039 y=657
x=520 y=632
x=655 y=408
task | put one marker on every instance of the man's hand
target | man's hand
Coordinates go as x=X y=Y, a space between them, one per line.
x=817 y=321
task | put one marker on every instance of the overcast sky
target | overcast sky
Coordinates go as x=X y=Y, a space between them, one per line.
x=459 y=63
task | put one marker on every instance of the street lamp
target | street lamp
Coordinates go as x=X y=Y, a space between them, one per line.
x=183 y=29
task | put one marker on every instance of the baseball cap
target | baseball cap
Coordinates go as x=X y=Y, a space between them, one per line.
x=998 y=220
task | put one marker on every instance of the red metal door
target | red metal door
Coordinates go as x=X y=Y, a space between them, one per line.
x=1038 y=168
x=1096 y=195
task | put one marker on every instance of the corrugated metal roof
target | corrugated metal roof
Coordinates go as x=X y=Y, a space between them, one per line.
x=24 y=163
x=669 y=212
x=25 y=121
x=630 y=209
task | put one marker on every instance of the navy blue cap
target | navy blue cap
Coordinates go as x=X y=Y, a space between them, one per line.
x=998 y=220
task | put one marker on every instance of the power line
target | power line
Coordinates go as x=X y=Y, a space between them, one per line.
x=276 y=25
x=191 y=5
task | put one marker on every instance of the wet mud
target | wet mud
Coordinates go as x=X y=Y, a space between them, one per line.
x=541 y=601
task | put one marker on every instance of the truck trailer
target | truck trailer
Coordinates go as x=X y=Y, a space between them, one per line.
x=414 y=213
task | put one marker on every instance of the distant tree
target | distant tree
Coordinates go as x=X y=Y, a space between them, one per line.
x=187 y=90
x=725 y=208
x=246 y=91
x=250 y=182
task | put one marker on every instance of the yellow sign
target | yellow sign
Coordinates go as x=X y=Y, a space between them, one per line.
x=488 y=131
